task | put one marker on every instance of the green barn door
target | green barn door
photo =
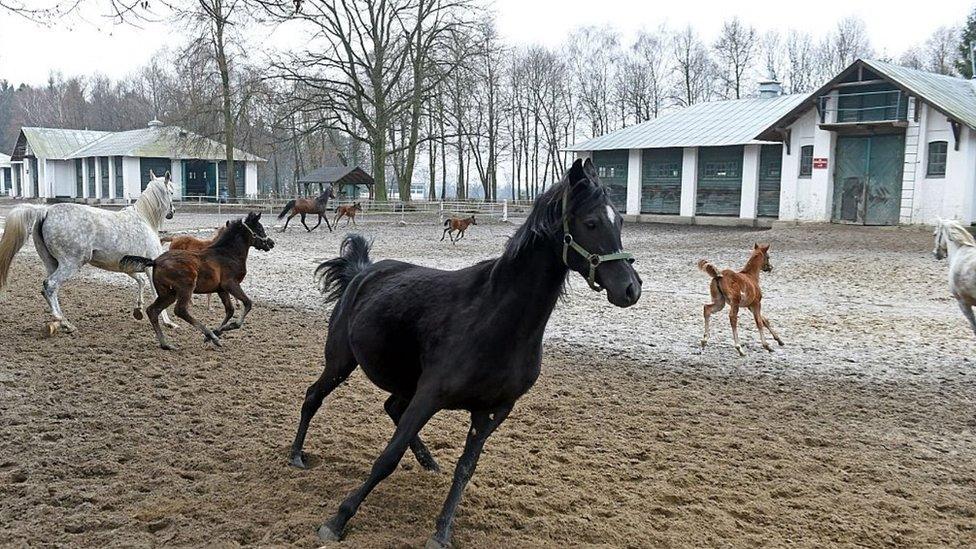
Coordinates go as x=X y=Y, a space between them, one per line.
x=770 y=172
x=611 y=166
x=719 y=180
x=79 y=178
x=661 y=181
x=867 y=179
x=103 y=166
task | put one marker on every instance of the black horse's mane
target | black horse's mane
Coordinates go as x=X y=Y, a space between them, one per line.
x=545 y=222
x=234 y=228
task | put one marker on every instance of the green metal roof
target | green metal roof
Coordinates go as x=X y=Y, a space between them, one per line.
x=955 y=97
x=154 y=141
x=56 y=143
x=711 y=124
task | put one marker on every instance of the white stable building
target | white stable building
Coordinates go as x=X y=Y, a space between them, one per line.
x=97 y=166
x=5 y=175
x=879 y=144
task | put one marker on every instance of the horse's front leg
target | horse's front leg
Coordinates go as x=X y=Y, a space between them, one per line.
x=967 y=311
x=228 y=310
x=182 y=310
x=303 y=223
x=482 y=425
x=236 y=291
x=328 y=226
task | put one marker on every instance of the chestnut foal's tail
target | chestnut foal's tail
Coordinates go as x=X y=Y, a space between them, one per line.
x=710 y=270
x=335 y=275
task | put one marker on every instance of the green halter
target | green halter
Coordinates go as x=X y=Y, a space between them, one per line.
x=594 y=260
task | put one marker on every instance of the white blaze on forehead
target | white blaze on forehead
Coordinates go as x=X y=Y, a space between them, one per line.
x=610 y=215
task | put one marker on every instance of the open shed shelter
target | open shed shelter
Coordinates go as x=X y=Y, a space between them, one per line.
x=347 y=180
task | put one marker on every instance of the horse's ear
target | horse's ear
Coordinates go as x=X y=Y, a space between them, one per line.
x=589 y=169
x=755 y=245
x=152 y=174
x=166 y=176
x=576 y=173
x=259 y=216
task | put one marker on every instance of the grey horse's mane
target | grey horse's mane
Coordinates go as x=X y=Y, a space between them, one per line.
x=958 y=234
x=151 y=204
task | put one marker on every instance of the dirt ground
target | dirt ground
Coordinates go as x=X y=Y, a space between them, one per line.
x=860 y=432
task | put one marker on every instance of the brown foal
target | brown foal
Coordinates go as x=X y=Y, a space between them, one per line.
x=457 y=224
x=349 y=212
x=740 y=289
x=194 y=244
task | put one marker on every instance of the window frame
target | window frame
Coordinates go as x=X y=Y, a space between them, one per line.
x=809 y=171
x=929 y=174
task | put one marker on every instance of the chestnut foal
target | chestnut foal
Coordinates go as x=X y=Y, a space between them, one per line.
x=739 y=289
x=349 y=212
x=457 y=224
x=188 y=242
x=219 y=268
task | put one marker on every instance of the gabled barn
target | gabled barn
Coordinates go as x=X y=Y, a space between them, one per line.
x=96 y=166
x=879 y=144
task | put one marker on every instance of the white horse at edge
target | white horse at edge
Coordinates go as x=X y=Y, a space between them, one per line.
x=67 y=236
x=952 y=240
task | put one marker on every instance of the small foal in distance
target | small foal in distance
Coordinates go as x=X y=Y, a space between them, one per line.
x=739 y=289
x=349 y=212
x=457 y=224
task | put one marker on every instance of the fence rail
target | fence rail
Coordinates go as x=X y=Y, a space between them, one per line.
x=444 y=208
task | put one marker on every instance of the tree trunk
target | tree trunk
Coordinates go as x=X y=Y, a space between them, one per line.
x=222 y=66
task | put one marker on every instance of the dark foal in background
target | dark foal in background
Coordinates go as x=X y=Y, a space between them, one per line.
x=219 y=268
x=304 y=206
x=349 y=212
x=457 y=224
x=400 y=323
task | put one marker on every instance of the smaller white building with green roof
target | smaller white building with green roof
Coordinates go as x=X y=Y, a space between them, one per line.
x=106 y=167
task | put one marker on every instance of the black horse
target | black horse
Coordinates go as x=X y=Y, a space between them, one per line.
x=303 y=206
x=400 y=323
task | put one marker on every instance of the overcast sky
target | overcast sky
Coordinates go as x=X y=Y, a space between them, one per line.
x=28 y=53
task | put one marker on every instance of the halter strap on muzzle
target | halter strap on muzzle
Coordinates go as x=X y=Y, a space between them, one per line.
x=257 y=238
x=593 y=260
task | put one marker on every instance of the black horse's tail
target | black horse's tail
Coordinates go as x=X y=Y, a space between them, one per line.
x=335 y=275
x=447 y=221
x=135 y=264
x=288 y=207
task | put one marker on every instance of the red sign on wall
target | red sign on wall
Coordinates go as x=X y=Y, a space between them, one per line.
x=820 y=163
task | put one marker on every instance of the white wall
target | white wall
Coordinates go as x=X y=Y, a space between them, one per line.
x=130 y=177
x=176 y=174
x=633 y=181
x=950 y=196
x=807 y=198
x=749 y=199
x=689 y=182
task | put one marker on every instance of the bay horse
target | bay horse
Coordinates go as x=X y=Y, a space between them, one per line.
x=457 y=224
x=304 y=206
x=189 y=242
x=68 y=236
x=219 y=268
x=954 y=242
x=739 y=289
x=349 y=212
x=400 y=323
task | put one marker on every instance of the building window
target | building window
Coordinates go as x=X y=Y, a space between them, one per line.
x=938 y=151
x=806 y=161
x=728 y=169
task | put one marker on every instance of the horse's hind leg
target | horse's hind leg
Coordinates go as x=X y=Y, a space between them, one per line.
x=155 y=293
x=183 y=311
x=51 y=285
x=395 y=406
x=482 y=425
x=780 y=341
x=445 y=234
x=153 y=310
x=717 y=304
x=303 y=223
x=140 y=293
x=285 y=228
x=317 y=224
x=421 y=408
x=734 y=321
x=339 y=363
x=756 y=309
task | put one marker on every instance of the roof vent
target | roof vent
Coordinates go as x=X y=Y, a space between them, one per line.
x=155 y=123
x=770 y=86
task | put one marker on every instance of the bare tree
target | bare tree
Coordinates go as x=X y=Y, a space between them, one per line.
x=848 y=42
x=695 y=70
x=941 y=50
x=736 y=50
x=803 y=73
x=593 y=53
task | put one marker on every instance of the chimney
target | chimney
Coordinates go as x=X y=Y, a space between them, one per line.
x=155 y=123
x=770 y=86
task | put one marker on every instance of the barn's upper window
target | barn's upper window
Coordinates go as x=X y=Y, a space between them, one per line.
x=937 y=159
x=806 y=161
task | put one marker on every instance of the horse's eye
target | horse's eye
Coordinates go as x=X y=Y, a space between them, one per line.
x=590 y=224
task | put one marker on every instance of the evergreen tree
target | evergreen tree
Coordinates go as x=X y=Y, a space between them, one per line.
x=967 y=41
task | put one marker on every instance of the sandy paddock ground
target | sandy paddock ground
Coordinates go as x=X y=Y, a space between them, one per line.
x=860 y=432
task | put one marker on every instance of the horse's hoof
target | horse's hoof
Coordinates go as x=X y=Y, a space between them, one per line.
x=740 y=351
x=434 y=543
x=768 y=348
x=53 y=327
x=781 y=344
x=298 y=460
x=172 y=326
x=703 y=343
x=137 y=314
x=327 y=534
x=167 y=347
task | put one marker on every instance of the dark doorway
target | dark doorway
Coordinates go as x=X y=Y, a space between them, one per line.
x=199 y=178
